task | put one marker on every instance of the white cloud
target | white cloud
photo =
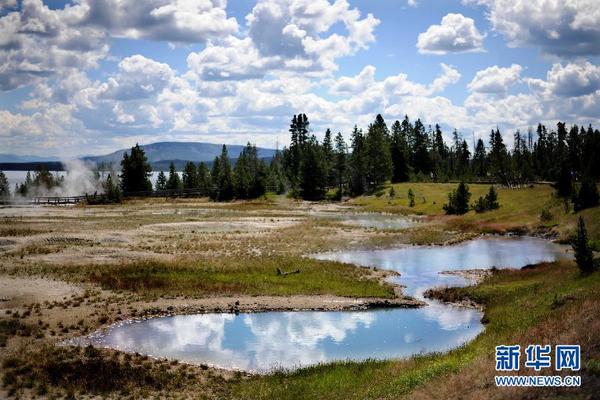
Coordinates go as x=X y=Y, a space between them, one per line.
x=187 y=21
x=495 y=79
x=348 y=86
x=455 y=34
x=571 y=80
x=286 y=35
x=38 y=42
x=560 y=27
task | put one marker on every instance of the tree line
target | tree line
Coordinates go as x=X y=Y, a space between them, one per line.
x=249 y=177
x=411 y=152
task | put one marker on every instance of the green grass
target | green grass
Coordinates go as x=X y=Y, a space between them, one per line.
x=519 y=208
x=227 y=276
x=519 y=305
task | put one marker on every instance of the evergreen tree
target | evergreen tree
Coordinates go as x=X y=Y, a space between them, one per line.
x=161 y=181
x=174 y=181
x=314 y=174
x=190 y=176
x=249 y=174
x=358 y=163
x=421 y=159
x=276 y=177
x=112 y=192
x=378 y=157
x=399 y=154
x=458 y=200
x=135 y=171
x=4 y=187
x=222 y=177
x=215 y=174
x=583 y=252
x=487 y=203
x=203 y=177
x=340 y=162
x=439 y=155
x=328 y=156
x=587 y=196
x=498 y=158
x=564 y=183
x=480 y=160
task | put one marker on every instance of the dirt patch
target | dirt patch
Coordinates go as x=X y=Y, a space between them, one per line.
x=16 y=291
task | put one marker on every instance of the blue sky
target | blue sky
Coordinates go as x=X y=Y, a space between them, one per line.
x=91 y=76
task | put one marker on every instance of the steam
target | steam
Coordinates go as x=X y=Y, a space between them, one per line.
x=79 y=179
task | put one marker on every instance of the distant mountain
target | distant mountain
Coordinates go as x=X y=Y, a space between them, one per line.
x=159 y=153
x=13 y=158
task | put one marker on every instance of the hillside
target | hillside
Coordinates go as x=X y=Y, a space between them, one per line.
x=188 y=151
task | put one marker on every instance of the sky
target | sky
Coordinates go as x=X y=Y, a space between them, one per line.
x=88 y=77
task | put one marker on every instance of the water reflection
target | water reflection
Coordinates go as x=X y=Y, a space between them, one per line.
x=420 y=266
x=263 y=341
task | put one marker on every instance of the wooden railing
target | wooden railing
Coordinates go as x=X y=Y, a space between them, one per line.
x=56 y=200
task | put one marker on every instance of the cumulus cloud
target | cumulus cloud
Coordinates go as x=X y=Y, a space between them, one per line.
x=571 y=80
x=188 y=21
x=560 y=27
x=287 y=35
x=37 y=42
x=455 y=34
x=495 y=79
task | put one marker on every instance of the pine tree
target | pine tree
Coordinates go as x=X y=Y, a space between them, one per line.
x=480 y=160
x=358 y=163
x=421 y=159
x=378 y=157
x=587 y=196
x=498 y=158
x=4 y=187
x=411 y=198
x=203 y=176
x=399 y=154
x=340 y=162
x=329 y=158
x=174 y=181
x=112 y=192
x=314 y=174
x=135 y=171
x=276 y=177
x=161 y=181
x=583 y=252
x=458 y=200
x=223 y=177
x=190 y=176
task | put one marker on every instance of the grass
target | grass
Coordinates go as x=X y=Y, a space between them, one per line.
x=520 y=209
x=521 y=307
x=41 y=369
x=227 y=276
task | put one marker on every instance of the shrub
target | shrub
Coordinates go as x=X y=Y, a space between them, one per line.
x=411 y=198
x=392 y=192
x=587 y=196
x=583 y=252
x=487 y=203
x=458 y=200
x=546 y=215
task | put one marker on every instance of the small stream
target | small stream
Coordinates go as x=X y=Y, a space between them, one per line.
x=261 y=342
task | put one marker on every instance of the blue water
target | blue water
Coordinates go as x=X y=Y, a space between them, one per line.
x=265 y=341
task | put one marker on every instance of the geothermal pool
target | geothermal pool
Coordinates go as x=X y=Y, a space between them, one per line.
x=261 y=342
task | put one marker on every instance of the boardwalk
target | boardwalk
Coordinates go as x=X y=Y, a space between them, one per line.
x=56 y=200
